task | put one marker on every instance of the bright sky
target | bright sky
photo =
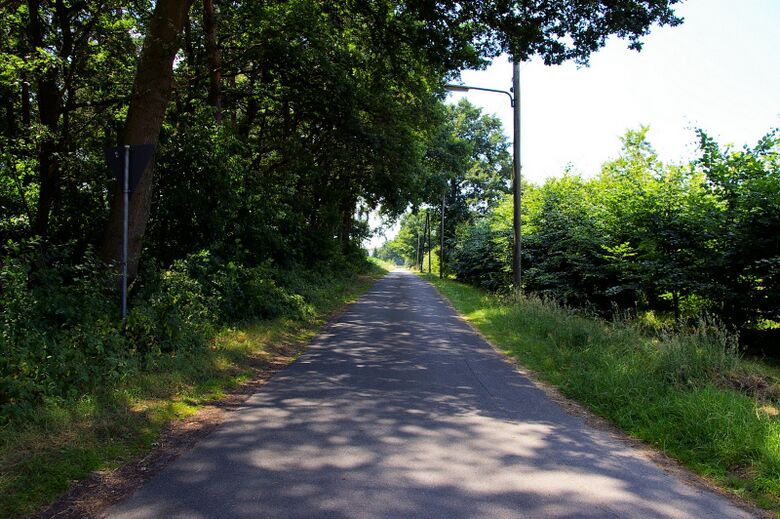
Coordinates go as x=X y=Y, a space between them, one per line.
x=718 y=71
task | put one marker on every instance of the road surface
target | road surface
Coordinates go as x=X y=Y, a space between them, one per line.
x=398 y=409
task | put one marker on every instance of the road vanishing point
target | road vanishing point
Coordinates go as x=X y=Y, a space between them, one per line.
x=399 y=409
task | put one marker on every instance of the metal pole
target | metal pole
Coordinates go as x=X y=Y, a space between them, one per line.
x=417 y=251
x=428 y=221
x=422 y=246
x=125 y=230
x=517 y=266
x=441 y=250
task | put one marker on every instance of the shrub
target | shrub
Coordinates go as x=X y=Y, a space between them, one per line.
x=58 y=329
x=60 y=333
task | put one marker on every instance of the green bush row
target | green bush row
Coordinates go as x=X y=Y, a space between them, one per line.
x=60 y=332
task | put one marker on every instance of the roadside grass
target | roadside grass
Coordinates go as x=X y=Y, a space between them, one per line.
x=64 y=442
x=688 y=393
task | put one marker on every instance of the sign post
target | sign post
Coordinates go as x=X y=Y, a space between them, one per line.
x=128 y=163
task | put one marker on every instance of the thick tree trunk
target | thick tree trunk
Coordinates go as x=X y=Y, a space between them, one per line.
x=151 y=93
x=214 y=59
x=49 y=111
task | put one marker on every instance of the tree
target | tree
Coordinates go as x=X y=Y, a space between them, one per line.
x=555 y=30
x=151 y=92
x=745 y=263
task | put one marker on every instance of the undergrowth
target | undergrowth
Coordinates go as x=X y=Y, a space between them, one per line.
x=687 y=392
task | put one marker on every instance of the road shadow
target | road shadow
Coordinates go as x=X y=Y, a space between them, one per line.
x=399 y=409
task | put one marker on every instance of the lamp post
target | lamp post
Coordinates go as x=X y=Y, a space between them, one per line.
x=514 y=100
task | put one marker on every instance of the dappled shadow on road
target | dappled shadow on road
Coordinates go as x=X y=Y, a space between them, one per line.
x=400 y=410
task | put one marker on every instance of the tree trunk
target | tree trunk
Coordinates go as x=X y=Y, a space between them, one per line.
x=214 y=59
x=49 y=111
x=151 y=93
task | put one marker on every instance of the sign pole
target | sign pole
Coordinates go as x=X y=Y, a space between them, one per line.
x=125 y=229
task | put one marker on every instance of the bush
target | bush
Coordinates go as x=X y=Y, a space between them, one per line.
x=58 y=327
x=60 y=333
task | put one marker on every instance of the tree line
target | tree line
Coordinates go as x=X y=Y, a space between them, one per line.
x=681 y=240
x=277 y=124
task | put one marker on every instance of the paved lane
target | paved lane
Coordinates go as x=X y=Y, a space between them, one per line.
x=399 y=410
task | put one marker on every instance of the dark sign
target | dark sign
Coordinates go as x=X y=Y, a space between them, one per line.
x=140 y=155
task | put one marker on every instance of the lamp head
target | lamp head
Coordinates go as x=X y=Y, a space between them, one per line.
x=456 y=88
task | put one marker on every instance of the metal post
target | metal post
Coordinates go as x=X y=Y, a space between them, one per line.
x=430 y=251
x=422 y=246
x=441 y=250
x=417 y=251
x=125 y=229
x=514 y=97
x=517 y=266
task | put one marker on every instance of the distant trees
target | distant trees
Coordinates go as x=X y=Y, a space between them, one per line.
x=643 y=234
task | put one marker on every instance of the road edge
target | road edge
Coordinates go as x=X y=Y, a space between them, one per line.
x=574 y=408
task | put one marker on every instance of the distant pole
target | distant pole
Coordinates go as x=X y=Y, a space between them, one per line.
x=125 y=229
x=430 y=251
x=417 y=251
x=422 y=244
x=517 y=265
x=441 y=250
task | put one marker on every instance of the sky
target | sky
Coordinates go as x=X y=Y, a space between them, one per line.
x=718 y=71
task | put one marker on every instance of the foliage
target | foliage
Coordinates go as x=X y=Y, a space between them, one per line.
x=685 y=240
x=60 y=336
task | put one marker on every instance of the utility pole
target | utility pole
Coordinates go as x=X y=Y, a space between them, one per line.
x=417 y=250
x=517 y=262
x=422 y=245
x=441 y=250
x=428 y=225
x=517 y=195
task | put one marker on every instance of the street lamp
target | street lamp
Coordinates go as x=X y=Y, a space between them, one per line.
x=514 y=100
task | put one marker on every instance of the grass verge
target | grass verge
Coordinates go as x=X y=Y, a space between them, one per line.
x=687 y=393
x=42 y=457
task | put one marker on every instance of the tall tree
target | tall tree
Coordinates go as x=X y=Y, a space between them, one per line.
x=151 y=93
x=214 y=59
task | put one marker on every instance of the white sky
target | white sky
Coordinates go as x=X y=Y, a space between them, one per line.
x=719 y=71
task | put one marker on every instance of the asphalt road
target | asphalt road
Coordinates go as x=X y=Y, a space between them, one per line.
x=399 y=410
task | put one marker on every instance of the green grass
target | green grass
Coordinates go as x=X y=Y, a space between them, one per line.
x=40 y=458
x=687 y=393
